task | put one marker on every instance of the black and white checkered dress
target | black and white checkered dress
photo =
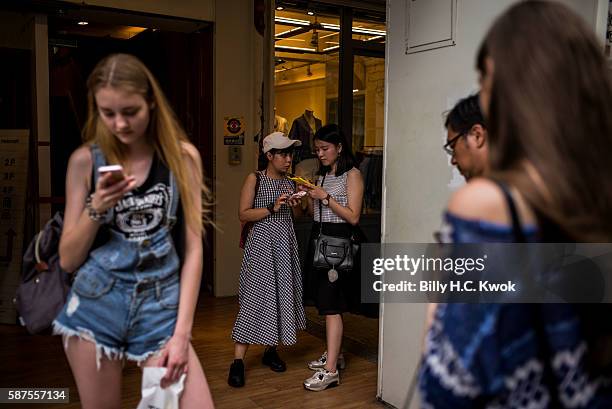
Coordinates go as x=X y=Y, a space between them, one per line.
x=270 y=293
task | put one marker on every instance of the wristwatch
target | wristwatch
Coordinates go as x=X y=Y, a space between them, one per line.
x=270 y=208
x=326 y=200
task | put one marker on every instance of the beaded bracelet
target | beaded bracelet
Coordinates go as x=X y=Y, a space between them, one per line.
x=92 y=213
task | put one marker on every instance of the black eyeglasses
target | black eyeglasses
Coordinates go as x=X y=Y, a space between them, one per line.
x=449 y=147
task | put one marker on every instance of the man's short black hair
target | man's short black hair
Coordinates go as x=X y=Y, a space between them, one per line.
x=465 y=114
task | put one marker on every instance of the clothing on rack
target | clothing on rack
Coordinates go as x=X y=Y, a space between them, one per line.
x=371 y=169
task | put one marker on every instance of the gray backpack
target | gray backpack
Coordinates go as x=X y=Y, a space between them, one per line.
x=44 y=285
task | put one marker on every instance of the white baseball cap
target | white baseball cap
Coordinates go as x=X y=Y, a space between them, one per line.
x=278 y=140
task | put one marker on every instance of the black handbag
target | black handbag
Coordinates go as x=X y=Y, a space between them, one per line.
x=332 y=252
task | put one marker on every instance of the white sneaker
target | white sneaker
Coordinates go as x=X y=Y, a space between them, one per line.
x=322 y=360
x=321 y=380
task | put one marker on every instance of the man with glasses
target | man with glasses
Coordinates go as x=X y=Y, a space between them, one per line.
x=466 y=138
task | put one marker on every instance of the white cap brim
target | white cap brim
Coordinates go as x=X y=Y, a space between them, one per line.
x=284 y=144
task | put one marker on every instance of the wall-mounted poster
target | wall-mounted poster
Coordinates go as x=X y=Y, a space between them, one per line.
x=13 y=183
x=233 y=130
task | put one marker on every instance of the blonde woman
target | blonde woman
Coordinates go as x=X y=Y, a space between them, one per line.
x=127 y=301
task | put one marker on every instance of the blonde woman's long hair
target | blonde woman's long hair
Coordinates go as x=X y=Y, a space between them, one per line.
x=164 y=133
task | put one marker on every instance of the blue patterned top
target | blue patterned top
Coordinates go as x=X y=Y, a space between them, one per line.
x=507 y=355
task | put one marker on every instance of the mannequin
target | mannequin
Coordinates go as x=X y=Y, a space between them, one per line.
x=310 y=118
x=280 y=124
x=303 y=129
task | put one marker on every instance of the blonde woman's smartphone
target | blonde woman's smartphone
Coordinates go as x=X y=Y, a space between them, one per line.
x=116 y=172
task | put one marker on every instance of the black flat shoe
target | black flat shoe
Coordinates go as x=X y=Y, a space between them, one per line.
x=236 y=374
x=270 y=358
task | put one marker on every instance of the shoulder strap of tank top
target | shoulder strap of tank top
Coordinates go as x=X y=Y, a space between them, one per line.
x=519 y=236
x=173 y=200
x=98 y=160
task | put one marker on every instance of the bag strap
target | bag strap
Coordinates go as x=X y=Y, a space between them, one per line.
x=540 y=325
x=346 y=250
x=321 y=211
x=257 y=183
x=519 y=236
x=37 y=247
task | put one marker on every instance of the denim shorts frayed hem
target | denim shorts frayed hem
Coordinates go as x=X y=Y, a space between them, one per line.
x=103 y=351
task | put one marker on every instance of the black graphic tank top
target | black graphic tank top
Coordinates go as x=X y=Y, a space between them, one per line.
x=141 y=212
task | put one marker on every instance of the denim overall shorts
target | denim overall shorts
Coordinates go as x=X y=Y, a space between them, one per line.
x=125 y=296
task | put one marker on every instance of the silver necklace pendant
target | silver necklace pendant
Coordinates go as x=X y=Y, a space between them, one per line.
x=332 y=275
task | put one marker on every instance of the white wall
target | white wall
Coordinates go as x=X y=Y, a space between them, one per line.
x=419 y=88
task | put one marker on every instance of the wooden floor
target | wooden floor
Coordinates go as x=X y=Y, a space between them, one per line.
x=39 y=361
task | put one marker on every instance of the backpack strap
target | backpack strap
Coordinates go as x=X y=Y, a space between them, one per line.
x=257 y=183
x=519 y=236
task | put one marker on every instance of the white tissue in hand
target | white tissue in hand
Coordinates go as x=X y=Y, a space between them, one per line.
x=156 y=397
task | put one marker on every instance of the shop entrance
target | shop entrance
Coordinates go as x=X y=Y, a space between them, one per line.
x=179 y=53
x=329 y=68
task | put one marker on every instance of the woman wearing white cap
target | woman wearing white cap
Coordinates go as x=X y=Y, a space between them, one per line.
x=270 y=293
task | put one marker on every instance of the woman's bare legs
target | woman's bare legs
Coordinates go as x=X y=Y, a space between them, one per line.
x=333 y=333
x=240 y=350
x=98 y=388
x=196 y=393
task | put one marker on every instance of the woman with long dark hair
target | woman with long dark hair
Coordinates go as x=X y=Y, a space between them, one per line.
x=336 y=204
x=546 y=94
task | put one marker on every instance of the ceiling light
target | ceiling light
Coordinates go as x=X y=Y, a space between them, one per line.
x=355 y=90
x=310 y=13
x=280 y=8
x=83 y=22
x=287 y=20
x=283 y=47
x=287 y=32
x=369 y=31
x=331 y=48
